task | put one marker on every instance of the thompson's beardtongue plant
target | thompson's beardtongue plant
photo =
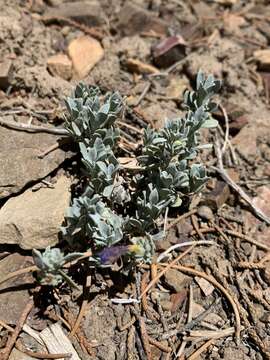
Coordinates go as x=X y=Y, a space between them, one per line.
x=117 y=213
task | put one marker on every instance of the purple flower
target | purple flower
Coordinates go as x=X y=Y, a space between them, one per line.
x=111 y=254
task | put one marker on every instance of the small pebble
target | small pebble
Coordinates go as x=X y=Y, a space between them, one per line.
x=266 y=317
x=205 y=213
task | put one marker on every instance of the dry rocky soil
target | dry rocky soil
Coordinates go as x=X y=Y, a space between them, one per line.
x=150 y=51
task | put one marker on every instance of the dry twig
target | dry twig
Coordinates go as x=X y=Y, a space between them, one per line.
x=206 y=334
x=11 y=341
x=248 y=239
x=6 y=326
x=33 y=128
x=18 y=273
x=184 y=216
x=145 y=339
x=34 y=268
x=83 y=306
x=159 y=345
x=144 y=92
x=201 y=349
x=128 y=324
x=196 y=227
x=159 y=275
x=220 y=287
x=238 y=235
x=237 y=188
x=189 y=319
x=150 y=314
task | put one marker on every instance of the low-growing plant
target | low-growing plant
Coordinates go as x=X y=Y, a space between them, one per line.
x=117 y=213
x=50 y=266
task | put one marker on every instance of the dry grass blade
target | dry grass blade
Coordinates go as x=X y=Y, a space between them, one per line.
x=150 y=313
x=227 y=129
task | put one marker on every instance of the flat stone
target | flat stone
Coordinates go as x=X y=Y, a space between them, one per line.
x=19 y=161
x=218 y=196
x=176 y=280
x=33 y=219
x=133 y=20
x=205 y=213
x=212 y=318
x=60 y=65
x=13 y=302
x=85 y=52
x=85 y=12
x=206 y=287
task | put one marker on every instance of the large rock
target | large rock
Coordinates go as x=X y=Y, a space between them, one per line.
x=246 y=141
x=85 y=12
x=19 y=161
x=85 y=52
x=133 y=20
x=32 y=220
x=13 y=302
